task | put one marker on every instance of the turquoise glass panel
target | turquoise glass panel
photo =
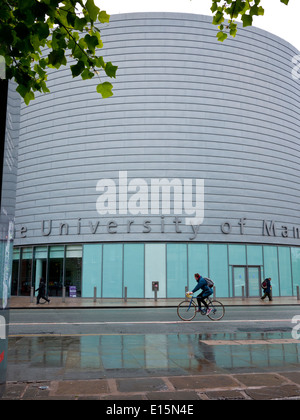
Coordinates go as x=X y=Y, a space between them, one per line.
x=91 y=269
x=197 y=262
x=271 y=267
x=176 y=270
x=255 y=255
x=134 y=270
x=41 y=252
x=155 y=269
x=237 y=254
x=26 y=253
x=296 y=268
x=285 y=271
x=218 y=269
x=112 y=281
x=57 y=252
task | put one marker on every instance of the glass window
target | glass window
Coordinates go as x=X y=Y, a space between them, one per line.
x=218 y=269
x=91 y=269
x=296 y=268
x=56 y=270
x=112 y=282
x=40 y=265
x=271 y=267
x=237 y=254
x=254 y=255
x=197 y=262
x=176 y=270
x=73 y=270
x=155 y=269
x=285 y=271
x=26 y=272
x=134 y=270
x=15 y=272
x=239 y=281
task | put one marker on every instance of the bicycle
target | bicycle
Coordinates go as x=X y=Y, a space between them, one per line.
x=187 y=309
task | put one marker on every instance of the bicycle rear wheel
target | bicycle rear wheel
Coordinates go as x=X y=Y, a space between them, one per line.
x=186 y=310
x=217 y=310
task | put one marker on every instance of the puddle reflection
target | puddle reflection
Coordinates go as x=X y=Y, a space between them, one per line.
x=174 y=353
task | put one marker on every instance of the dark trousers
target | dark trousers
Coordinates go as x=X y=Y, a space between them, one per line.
x=41 y=297
x=269 y=294
x=201 y=299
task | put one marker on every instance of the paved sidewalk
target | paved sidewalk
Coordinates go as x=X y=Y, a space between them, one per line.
x=262 y=386
x=57 y=302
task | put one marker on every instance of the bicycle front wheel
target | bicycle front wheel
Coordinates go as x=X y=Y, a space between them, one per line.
x=217 y=310
x=186 y=310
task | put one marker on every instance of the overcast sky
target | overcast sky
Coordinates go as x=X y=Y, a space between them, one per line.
x=279 y=19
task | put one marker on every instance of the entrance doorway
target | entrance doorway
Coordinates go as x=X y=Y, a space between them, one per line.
x=247 y=278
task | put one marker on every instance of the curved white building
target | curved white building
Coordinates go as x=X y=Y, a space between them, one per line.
x=192 y=166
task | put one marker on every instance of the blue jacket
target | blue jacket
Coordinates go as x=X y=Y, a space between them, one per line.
x=202 y=284
x=269 y=287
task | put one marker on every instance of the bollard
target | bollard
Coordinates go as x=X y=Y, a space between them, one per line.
x=31 y=294
x=243 y=292
x=95 y=294
x=214 y=295
x=298 y=293
x=125 y=294
x=64 y=294
x=186 y=290
x=155 y=295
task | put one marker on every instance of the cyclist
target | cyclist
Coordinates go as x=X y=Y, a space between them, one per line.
x=206 y=291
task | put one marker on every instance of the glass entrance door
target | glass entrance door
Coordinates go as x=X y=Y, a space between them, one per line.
x=254 y=281
x=247 y=278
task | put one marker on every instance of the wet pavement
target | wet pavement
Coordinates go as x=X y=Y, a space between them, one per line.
x=220 y=366
x=250 y=355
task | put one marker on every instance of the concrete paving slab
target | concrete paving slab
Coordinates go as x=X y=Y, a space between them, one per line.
x=93 y=387
x=141 y=385
x=260 y=379
x=203 y=382
x=180 y=395
x=292 y=376
x=273 y=393
x=226 y=395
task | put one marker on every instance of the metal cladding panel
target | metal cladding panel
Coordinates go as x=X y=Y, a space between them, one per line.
x=185 y=108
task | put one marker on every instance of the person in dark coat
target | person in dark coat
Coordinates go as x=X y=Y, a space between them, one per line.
x=41 y=292
x=267 y=289
x=206 y=291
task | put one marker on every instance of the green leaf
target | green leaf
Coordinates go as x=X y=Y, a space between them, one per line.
x=77 y=69
x=286 y=2
x=247 y=20
x=110 y=69
x=92 y=9
x=28 y=97
x=92 y=42
x=22 y=90
x=57 y=58
x=105 y=89
x=221 y=36
x=103 y=17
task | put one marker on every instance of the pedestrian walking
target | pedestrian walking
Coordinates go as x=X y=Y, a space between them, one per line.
x=267 y=288
x=41 y=292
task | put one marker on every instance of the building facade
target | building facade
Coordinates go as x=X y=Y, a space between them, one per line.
x=9 y=129
x=192 y=166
